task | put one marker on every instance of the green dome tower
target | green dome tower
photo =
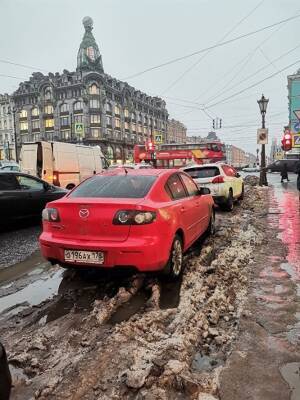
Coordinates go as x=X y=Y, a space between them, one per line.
x=89 y=57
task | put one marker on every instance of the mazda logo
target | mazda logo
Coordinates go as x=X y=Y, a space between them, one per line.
x=84 y=213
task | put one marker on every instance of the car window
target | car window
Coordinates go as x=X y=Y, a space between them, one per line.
x=8 y=182
x=202 y=172
x=27 y=183
x=229 y=171
x=116 y=186
x=176 y=187
x=190 y=185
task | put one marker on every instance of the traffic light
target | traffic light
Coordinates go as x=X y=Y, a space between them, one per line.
x=287 y=142
x=150 y=146
x=220 y=123
x=214 y=124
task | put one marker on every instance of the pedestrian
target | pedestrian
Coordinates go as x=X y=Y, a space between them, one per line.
x=284 y=172
x=297 y=170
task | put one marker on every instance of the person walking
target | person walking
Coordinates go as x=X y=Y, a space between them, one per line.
x=284 y=173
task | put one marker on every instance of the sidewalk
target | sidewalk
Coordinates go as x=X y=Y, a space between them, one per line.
x=265 y=364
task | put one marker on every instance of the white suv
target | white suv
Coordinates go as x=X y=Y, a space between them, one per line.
x=224 y=182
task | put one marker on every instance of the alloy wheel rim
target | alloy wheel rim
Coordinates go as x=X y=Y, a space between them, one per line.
x=177 y=257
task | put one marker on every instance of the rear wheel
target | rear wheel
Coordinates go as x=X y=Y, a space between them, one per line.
x=228 y=206
x=174 y=267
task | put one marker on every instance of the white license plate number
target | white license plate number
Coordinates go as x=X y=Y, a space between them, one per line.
x=84 y=257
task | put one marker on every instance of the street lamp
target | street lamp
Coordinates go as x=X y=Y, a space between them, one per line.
x=13 y=112
x=263 y=103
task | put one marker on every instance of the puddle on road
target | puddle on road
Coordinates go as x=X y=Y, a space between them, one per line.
x=127 y=310
x=291 y=374
x=33 y=294
x=170 y=294
x=24 y=267
x=293 y=272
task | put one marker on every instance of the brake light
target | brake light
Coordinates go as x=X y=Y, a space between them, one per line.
x=132 y=217
x=50 y=215
x=218 y=179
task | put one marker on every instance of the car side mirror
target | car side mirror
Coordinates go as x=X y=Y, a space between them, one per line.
x=203 y=191
x=238 y=175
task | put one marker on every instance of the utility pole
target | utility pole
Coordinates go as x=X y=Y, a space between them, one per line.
x=263 y=102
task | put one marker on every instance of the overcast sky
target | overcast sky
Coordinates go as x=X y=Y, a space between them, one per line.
x=134 y=35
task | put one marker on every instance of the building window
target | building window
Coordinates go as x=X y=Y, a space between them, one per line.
x=133 y=127
x=78 y=106
x=95 y=119
x=93 y=89
x=109 y=133
x=133 y=116
x=65 y=135
x=126 y=126
x=140 y=128
x=108 y=108
x=23 y=114
x=64 y=121
x=48 y=93
x=117 y=123
x=49 y=123
x=117 y=110
x=35 y=112
x=23 y=126
x=94 y=103
x=64 y=108
x=108 y=120
x=95 y=132
x=35 y=124
x=78 y=118
x=126 y=113
x=48 y=109
x=146 y=121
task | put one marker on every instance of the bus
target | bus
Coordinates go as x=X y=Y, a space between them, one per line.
x=174 y=155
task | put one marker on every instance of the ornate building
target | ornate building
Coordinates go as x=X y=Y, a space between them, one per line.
x=176 y=132
x=7 y=146
x=88 y=106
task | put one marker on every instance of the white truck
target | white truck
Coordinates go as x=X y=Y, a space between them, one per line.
x=61 y=164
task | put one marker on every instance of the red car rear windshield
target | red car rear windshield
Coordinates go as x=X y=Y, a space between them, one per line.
x=115 y=186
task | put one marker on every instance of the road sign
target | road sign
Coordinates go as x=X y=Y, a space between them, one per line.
x=158 y=139
x=262 y=136
x=297 y=126
x=296 y=140
x=79 y=128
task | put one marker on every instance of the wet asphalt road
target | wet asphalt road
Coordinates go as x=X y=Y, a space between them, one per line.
x=265 y=363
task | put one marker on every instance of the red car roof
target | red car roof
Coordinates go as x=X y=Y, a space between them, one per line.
x=145 y=172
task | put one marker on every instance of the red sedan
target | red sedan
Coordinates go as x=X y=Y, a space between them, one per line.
x=144 y=219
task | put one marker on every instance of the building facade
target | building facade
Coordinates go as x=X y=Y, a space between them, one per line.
x=238 y=157
x=88 y=106
x=176 y=132
x=7 y=144
x=294 y=111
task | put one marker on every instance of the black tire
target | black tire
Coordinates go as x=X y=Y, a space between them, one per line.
x=174 y=266
x=228 y=206
x=211 y=230
x=242 y=194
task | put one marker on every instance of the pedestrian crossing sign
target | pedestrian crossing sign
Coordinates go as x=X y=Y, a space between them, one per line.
x=158 y=139
x=79 y=128
x=296 y=140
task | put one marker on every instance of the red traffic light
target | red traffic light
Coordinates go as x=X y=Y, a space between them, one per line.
x=150 y=146
x=287 y=142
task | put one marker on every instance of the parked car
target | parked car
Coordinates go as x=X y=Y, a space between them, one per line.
x=251 y=169
x=145 y=219
x=24 y=196
x=277 y=165
x=10 y=167
x=5 y=377
x=225 y=183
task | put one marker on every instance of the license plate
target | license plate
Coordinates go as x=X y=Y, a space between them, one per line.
x=84 y=257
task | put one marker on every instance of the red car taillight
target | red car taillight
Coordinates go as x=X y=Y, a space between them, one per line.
x=218 y=179
x=132 y=217
x=50 y=215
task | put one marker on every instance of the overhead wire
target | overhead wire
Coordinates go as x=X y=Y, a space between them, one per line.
x=175 y=60
x=181 y=76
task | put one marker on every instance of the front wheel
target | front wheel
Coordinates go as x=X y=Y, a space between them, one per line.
x=211 y=230
x=174 y=267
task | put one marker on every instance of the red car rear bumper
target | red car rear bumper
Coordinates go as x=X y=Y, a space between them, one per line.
x=144 y=254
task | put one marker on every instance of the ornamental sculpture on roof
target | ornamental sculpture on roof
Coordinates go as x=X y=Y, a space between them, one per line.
x=89 y=57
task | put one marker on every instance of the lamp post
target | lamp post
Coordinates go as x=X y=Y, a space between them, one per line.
x=13 y=112
x=263 y=103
